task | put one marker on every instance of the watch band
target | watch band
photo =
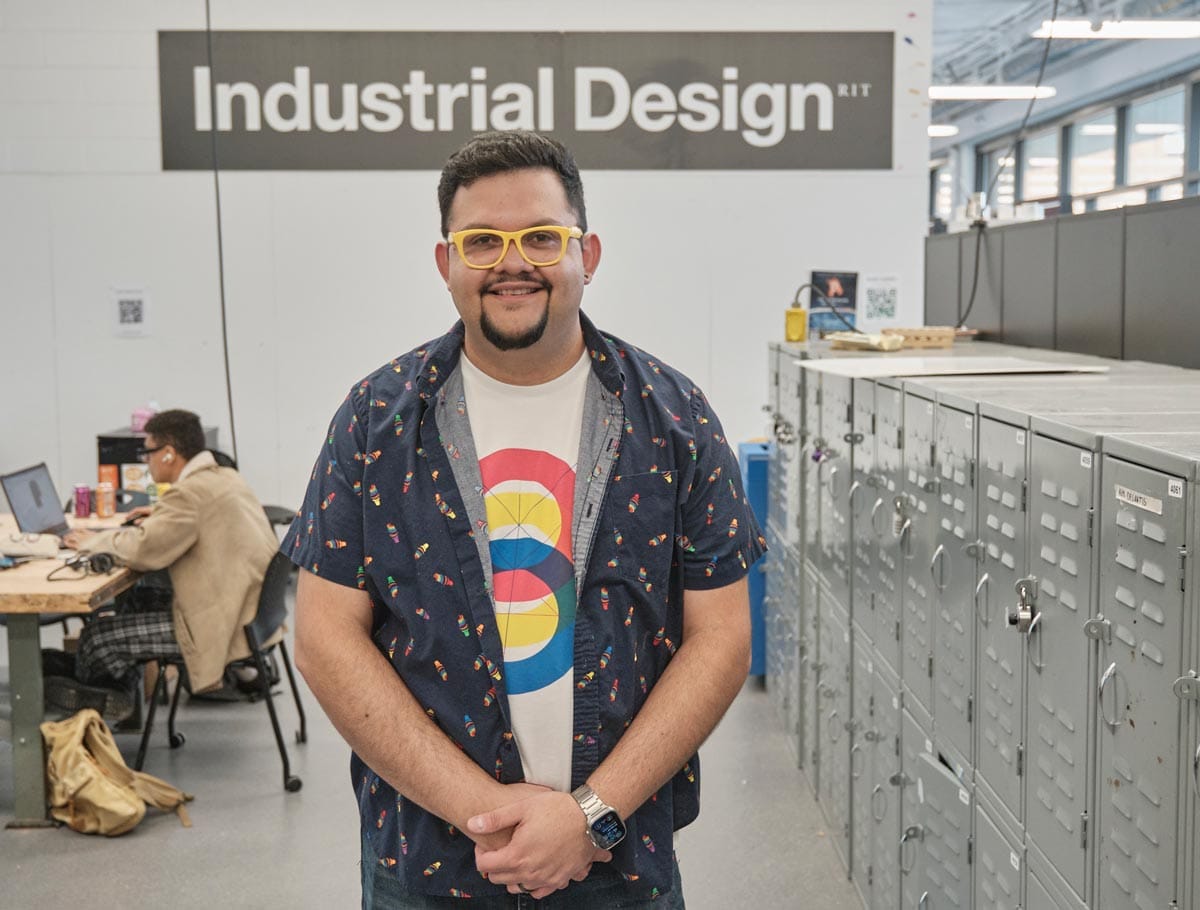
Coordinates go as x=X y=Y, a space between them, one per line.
x=592 y=805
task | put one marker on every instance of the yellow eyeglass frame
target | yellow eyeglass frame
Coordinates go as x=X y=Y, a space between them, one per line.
x=565 y=234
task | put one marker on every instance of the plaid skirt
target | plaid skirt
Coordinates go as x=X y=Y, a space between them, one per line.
x=114 y=643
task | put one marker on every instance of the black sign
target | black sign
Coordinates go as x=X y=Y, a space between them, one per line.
x=643 y=101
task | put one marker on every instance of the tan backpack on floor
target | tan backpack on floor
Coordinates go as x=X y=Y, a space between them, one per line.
x=91 y=788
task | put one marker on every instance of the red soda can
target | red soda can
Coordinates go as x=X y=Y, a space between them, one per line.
x=106 y=500
x=83 y=500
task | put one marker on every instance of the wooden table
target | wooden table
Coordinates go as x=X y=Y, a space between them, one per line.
x=25 y=593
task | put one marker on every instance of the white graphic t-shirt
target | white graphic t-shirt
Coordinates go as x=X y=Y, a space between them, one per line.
x=527 y=440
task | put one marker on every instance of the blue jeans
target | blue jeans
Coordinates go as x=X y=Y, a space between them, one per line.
x=382 y=890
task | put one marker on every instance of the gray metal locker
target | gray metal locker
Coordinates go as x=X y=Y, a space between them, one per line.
x=861 y=499
x=1144 y=540
x=915 y=740
x=915 y=531
x=883 y=742
x=1057 y=803
x=834 y=474
x=946 y=825
x=889 y=481
x=952 y=579
x=833 y=792
x=860 y=766
x=811 y=675
x=1045 y=889
x=810 y=506
x=1000 y=648
x=797 y=655
x=998 y=861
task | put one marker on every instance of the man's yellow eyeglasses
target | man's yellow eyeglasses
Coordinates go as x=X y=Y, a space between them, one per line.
x=541 y=246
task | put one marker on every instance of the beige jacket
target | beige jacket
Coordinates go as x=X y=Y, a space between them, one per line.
x=210 y=533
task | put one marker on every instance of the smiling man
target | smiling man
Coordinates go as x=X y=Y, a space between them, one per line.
x=526 y=544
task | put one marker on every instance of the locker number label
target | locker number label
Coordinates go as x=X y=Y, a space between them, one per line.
x=970 y=421
x=1140 y=500
x=1175 y=489
x=1020 y=437
x=1085 y=459
x=964 y=797
x=1014 y=861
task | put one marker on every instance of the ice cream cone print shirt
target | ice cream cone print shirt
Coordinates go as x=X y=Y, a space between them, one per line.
x=527 y=442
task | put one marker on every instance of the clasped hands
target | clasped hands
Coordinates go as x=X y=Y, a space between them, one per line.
x=535 y=845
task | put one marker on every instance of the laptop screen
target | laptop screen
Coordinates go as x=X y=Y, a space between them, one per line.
x=34 y=501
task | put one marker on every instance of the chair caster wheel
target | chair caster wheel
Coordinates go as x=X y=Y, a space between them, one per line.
x=292 y=784
x=177 y=740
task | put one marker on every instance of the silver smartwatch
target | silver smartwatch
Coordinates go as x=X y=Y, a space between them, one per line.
x=604 y=825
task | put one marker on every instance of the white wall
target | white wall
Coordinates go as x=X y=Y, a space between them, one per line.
x=329 y=274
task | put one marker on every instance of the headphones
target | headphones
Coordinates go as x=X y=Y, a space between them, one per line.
x=85 y=564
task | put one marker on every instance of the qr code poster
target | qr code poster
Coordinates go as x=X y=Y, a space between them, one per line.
x=879 y=296
x=131 y=310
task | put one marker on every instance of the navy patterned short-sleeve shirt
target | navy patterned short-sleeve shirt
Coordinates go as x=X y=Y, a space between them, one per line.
x=392 y=508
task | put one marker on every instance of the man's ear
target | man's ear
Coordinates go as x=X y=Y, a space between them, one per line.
x=441 y=254
x=591 y=253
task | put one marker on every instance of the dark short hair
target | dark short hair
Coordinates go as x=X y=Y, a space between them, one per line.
x=180 y=429
x=509 y=150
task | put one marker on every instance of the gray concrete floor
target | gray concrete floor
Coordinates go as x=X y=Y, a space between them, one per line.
x=759 y=841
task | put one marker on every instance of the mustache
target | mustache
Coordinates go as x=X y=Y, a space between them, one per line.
x=527 y=277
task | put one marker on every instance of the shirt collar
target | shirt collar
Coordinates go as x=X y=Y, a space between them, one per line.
x=440 y=358
x=197 y=462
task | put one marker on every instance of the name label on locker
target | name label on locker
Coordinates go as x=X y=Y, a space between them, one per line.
x=1140 y=500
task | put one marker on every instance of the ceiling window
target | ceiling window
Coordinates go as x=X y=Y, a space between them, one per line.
x=1156 y=137
x=1094 y=154
x=1039 y=171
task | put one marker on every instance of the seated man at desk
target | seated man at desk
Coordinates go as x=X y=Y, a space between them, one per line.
x=210 y=534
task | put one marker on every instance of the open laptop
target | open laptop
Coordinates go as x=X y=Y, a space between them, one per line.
x=34 y=501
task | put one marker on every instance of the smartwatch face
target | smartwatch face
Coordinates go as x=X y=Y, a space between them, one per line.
x=608 y=830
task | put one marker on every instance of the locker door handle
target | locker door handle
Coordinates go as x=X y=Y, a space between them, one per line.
x=854 y=488
x=938 y=574
x=874 y=518
x=923 y=903
x=905 y=536
x=875 y=794
x=1196 y=773
x=1108 y=677
x=856 y=748
x=1039 y=663
x=834 y=730
x=984 y=583
x=911 y=833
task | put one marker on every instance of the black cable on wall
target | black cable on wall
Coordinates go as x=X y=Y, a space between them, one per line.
x=220 y=238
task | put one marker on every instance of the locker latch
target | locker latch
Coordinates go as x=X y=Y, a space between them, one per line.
x=1098 y=629
x=976 y=549
x=820 y=453
x=1187 y=687
x=853 y=439
x=1023 y=616
x=899 y=516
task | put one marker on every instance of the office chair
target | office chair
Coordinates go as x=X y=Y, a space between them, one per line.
x=272 y=611
x=278 y=516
